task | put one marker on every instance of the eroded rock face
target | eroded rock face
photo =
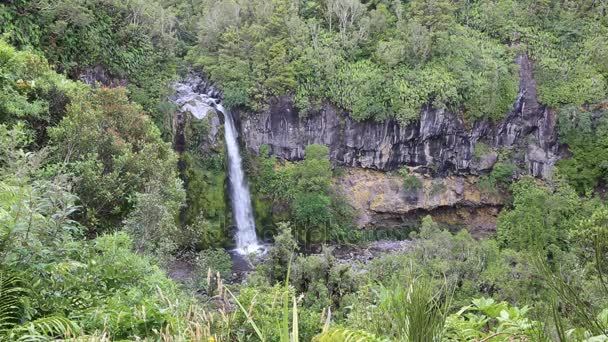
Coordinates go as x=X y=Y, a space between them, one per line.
x=193 y=98
x=99 y=74
x=440 y=142
x=381 y=200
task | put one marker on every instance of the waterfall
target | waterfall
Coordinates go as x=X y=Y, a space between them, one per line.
x=240 y=199
x=199 y=104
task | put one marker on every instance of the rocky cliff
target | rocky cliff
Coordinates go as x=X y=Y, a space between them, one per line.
x=441 y=143
x=447 y=154
x=381 y=201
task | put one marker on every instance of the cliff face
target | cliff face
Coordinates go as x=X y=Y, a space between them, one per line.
x=440 y=143
x=446 y=153
x=381 y=201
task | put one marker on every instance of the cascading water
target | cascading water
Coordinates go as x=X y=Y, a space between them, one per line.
x=240 y=199
x=246 y=238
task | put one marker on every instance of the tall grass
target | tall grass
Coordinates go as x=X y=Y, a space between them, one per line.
x=285 y=334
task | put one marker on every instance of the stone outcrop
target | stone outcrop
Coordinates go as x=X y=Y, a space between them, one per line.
x=192 y=96
x=381 y=200
x=440 y=143
x=99 y=74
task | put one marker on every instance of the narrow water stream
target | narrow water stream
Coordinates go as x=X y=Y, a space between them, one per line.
x=240 y=198
x=198 y=104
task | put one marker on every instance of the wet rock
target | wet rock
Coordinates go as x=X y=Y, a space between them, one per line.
x=99 y=74
x=380 y=200
x=441 y=142
x=195 y=105
x=485 y=162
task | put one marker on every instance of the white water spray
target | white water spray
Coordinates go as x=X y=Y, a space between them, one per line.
x=240 y=199
x=199 y=105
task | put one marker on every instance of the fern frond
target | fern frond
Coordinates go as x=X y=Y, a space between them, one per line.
x=10 y=300
x=44 y=328
x=347 y=335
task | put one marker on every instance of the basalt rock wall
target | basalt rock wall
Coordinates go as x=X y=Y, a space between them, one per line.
x=440 y=143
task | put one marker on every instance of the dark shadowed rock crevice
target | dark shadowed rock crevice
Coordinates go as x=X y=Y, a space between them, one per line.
x=99 y=74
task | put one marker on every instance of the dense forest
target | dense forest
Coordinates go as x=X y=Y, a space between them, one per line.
x=98 y=208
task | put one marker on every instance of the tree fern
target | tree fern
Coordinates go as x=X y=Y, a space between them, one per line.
x=43 y=329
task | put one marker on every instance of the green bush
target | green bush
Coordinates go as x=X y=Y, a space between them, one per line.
x=481 y=150
x=410 y=182
x=503 y=172
x=506 y=322
x=540 y=216
x=114 y=150
x=215 y=261
x=206 y=212
x=587 y=140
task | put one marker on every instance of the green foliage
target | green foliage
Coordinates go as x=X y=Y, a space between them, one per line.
x=376 y=61
x=360 y=88
x=384 y=59
x=485 y=319
x=585 y=294
x=114 y=41
x=76 y=161
x=407 y=308
x=540 y=217
x=481 y=150
x=417 y=309
x=322 y=280
x=587 y=139
x=35 y=215
x=503 y=172
x=153 y=221
x=11 y=291
x=487 y=184
x=30 y=90
x=101 y=285
x=434 y=14
x=319 y=213
x=206 y=210
x=312 y=202
x=281 y=253
x=266 y=313
x=214 y=261
x=471 y=267
x=346 y=335
x=13 y=296
x=413 y=89
x=114 y=150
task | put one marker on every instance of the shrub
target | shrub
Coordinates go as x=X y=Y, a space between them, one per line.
x=215 y=260
x=481 y=150
x=410 y=182
x=540 y=216
x=502 y=172
x=506 y=322
x=587 y=140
